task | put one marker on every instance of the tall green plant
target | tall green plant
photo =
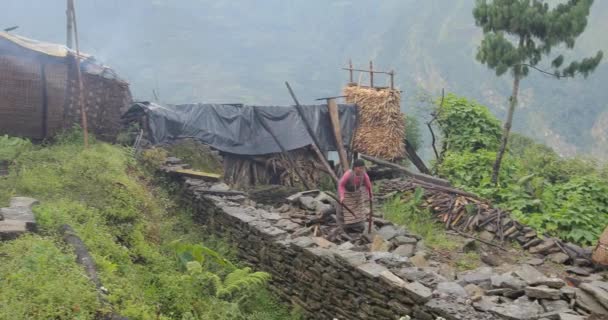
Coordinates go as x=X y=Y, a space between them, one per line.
x=466 y=126
x=518 y=34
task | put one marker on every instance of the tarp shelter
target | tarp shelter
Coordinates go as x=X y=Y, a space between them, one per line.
x=235 y=129
x=39 y=91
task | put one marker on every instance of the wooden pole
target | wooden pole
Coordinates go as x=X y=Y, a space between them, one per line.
x=335 y=123
x=311 y=133
x=392 y=74
x=350 y=69
x=370 y=220
x=371 y=74
x=45 y=100
x=421 y=177
x=416 y=160
x=70 y=31
x=283 y=150
x=79 y=79
x=321 y=157
x=315 y=145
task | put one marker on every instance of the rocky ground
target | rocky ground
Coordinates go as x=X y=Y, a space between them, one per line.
x=506 y=283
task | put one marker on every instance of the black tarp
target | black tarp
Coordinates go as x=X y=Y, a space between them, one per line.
x=234 y=128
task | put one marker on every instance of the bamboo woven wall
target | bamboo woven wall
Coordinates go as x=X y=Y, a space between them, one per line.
x=22 y=97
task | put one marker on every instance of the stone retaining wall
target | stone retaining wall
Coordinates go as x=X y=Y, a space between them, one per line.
x=327 y=281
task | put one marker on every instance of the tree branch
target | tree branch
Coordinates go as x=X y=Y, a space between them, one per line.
x=428 y=124
x=555 y=75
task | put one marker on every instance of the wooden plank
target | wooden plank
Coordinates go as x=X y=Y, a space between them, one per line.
x=198 y=174
x=335 y=123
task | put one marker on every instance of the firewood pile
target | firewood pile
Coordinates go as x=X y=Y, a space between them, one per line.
x=465 y=214
x=381 y=127
x=243 y=172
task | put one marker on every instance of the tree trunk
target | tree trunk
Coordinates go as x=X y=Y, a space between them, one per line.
x=506 y=130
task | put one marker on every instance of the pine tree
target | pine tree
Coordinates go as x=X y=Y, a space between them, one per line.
x=518 y=34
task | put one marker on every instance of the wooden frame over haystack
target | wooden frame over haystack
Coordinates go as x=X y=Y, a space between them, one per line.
x=39 y=90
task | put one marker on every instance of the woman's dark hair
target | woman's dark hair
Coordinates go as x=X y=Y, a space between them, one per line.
x=358 y=163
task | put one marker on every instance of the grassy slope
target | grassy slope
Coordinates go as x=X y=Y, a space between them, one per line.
x=128 y=226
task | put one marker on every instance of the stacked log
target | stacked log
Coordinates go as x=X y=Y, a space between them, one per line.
x=465 y=213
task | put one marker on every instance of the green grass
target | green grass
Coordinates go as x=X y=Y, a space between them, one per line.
x=196 y=155
x=468 y=261
x=408 y=213
x=128 y=223
x=39 y=280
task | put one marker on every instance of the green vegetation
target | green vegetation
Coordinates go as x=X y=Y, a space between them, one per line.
x=408 y=212
x=518 y=34
x=567 y=198
x=147 y=249
x=412 y=132
x=468 y=261
x=40 y=281
x=196 y=154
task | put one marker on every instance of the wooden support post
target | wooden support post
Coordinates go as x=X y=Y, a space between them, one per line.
x=350 y=70
x=69 y=28
x=371 y=74
x=284 y=151
x=335 y=123
x=45 y=100
x=321 y=157
x=79 y=78
x=392 y=74
x=315 y=145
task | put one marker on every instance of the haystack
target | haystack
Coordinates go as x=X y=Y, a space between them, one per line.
x=381 y=127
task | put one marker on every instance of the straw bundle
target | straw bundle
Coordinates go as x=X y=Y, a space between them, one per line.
x=381 y=127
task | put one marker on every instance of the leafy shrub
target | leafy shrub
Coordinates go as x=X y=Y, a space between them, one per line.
x=11 y=147
x=575 y=211
x=412 y=131
x=467 y=126
x=472 y=171
x=40 y=281
x=153 y=158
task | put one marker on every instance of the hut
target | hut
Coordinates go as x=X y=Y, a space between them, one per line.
x=39 y=90
x=246 y=137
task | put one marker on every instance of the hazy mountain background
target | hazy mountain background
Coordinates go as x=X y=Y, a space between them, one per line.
x=243 y=51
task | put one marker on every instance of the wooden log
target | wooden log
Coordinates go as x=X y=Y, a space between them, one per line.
x=222 y=193
x=335 y=123
x=321 y=157
x=415 y=159
x=315 y=145
x=422 y=177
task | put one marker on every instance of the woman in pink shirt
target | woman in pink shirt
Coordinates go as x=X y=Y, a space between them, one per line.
x=351 y=195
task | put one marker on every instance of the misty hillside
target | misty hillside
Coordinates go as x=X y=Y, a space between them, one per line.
x=243 y=51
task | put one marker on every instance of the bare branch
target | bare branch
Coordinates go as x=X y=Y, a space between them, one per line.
x=555 y=75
